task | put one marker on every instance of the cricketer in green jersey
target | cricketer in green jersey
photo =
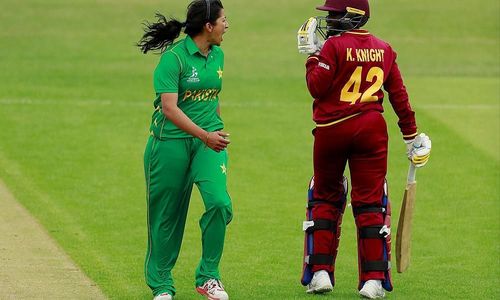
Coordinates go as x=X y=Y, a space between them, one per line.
x=187 y=146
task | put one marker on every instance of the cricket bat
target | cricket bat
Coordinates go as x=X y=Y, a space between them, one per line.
x=403 y=237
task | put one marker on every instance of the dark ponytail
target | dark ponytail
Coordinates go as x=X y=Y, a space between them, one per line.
x=161 y=34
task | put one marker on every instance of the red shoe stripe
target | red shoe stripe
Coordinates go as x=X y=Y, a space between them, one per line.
x=204 y=293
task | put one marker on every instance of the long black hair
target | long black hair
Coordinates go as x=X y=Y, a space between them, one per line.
x=162 y=33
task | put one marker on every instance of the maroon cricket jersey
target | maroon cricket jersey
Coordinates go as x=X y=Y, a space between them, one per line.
x=347 y=77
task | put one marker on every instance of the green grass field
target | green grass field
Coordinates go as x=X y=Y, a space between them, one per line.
x=75 y=105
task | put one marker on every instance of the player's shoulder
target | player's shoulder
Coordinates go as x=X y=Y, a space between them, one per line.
x=179 y=48
x=381 y=41
x=331 y=41
x=173 y=57
x=372 y=39
x=176 y=50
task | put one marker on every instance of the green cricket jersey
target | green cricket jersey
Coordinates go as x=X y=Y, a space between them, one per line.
x=196 y=79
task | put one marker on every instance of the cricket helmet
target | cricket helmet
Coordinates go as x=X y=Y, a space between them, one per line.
x=342 y=5
x=343 y=15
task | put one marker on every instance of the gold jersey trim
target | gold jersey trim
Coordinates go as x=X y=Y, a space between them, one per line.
x=359 y=32
x=410 y=135
x=337 y=121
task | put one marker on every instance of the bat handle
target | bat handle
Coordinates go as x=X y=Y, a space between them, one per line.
x=411 y=173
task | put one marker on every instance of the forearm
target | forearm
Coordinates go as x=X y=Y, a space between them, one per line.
x=216 y=140
x=400 y=103
x=177 y=116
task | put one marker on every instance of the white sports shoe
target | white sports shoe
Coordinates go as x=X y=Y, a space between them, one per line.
x=163 y=296
x=372 y=289
x=213 y=290
x=320 y=283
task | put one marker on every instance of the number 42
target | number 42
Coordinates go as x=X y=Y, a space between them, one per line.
x=351 y=90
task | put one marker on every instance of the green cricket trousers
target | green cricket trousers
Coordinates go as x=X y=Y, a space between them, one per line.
x=171 y=167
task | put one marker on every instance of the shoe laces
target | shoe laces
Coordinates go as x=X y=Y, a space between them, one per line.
x=213 y=285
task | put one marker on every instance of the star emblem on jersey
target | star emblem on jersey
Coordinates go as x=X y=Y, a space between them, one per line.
x=219 y=72
x=223 y=168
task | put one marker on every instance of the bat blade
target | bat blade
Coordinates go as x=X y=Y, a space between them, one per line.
x=403 y=237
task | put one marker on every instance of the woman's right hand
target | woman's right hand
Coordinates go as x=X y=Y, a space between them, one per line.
x=217 y=140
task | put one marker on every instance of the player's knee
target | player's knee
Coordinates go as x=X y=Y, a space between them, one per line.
x=221 y=205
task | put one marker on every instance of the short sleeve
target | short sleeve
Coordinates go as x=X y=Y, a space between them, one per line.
x=167 y=74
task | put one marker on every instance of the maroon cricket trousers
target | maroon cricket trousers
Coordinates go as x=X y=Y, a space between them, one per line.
x=360 y=141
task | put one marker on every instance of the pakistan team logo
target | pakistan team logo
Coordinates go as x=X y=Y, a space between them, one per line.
x=194 y=76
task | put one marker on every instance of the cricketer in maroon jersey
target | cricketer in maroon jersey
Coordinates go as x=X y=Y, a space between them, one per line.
x=346 y=79
x=347 y=76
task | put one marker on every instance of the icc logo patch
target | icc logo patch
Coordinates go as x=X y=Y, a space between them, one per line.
x=194 y=76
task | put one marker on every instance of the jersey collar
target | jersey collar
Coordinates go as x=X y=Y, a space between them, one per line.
x=191 y=46
x=358 y=31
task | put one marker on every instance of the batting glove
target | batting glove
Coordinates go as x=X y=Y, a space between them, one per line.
x=418 y=150
x=307 y=39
